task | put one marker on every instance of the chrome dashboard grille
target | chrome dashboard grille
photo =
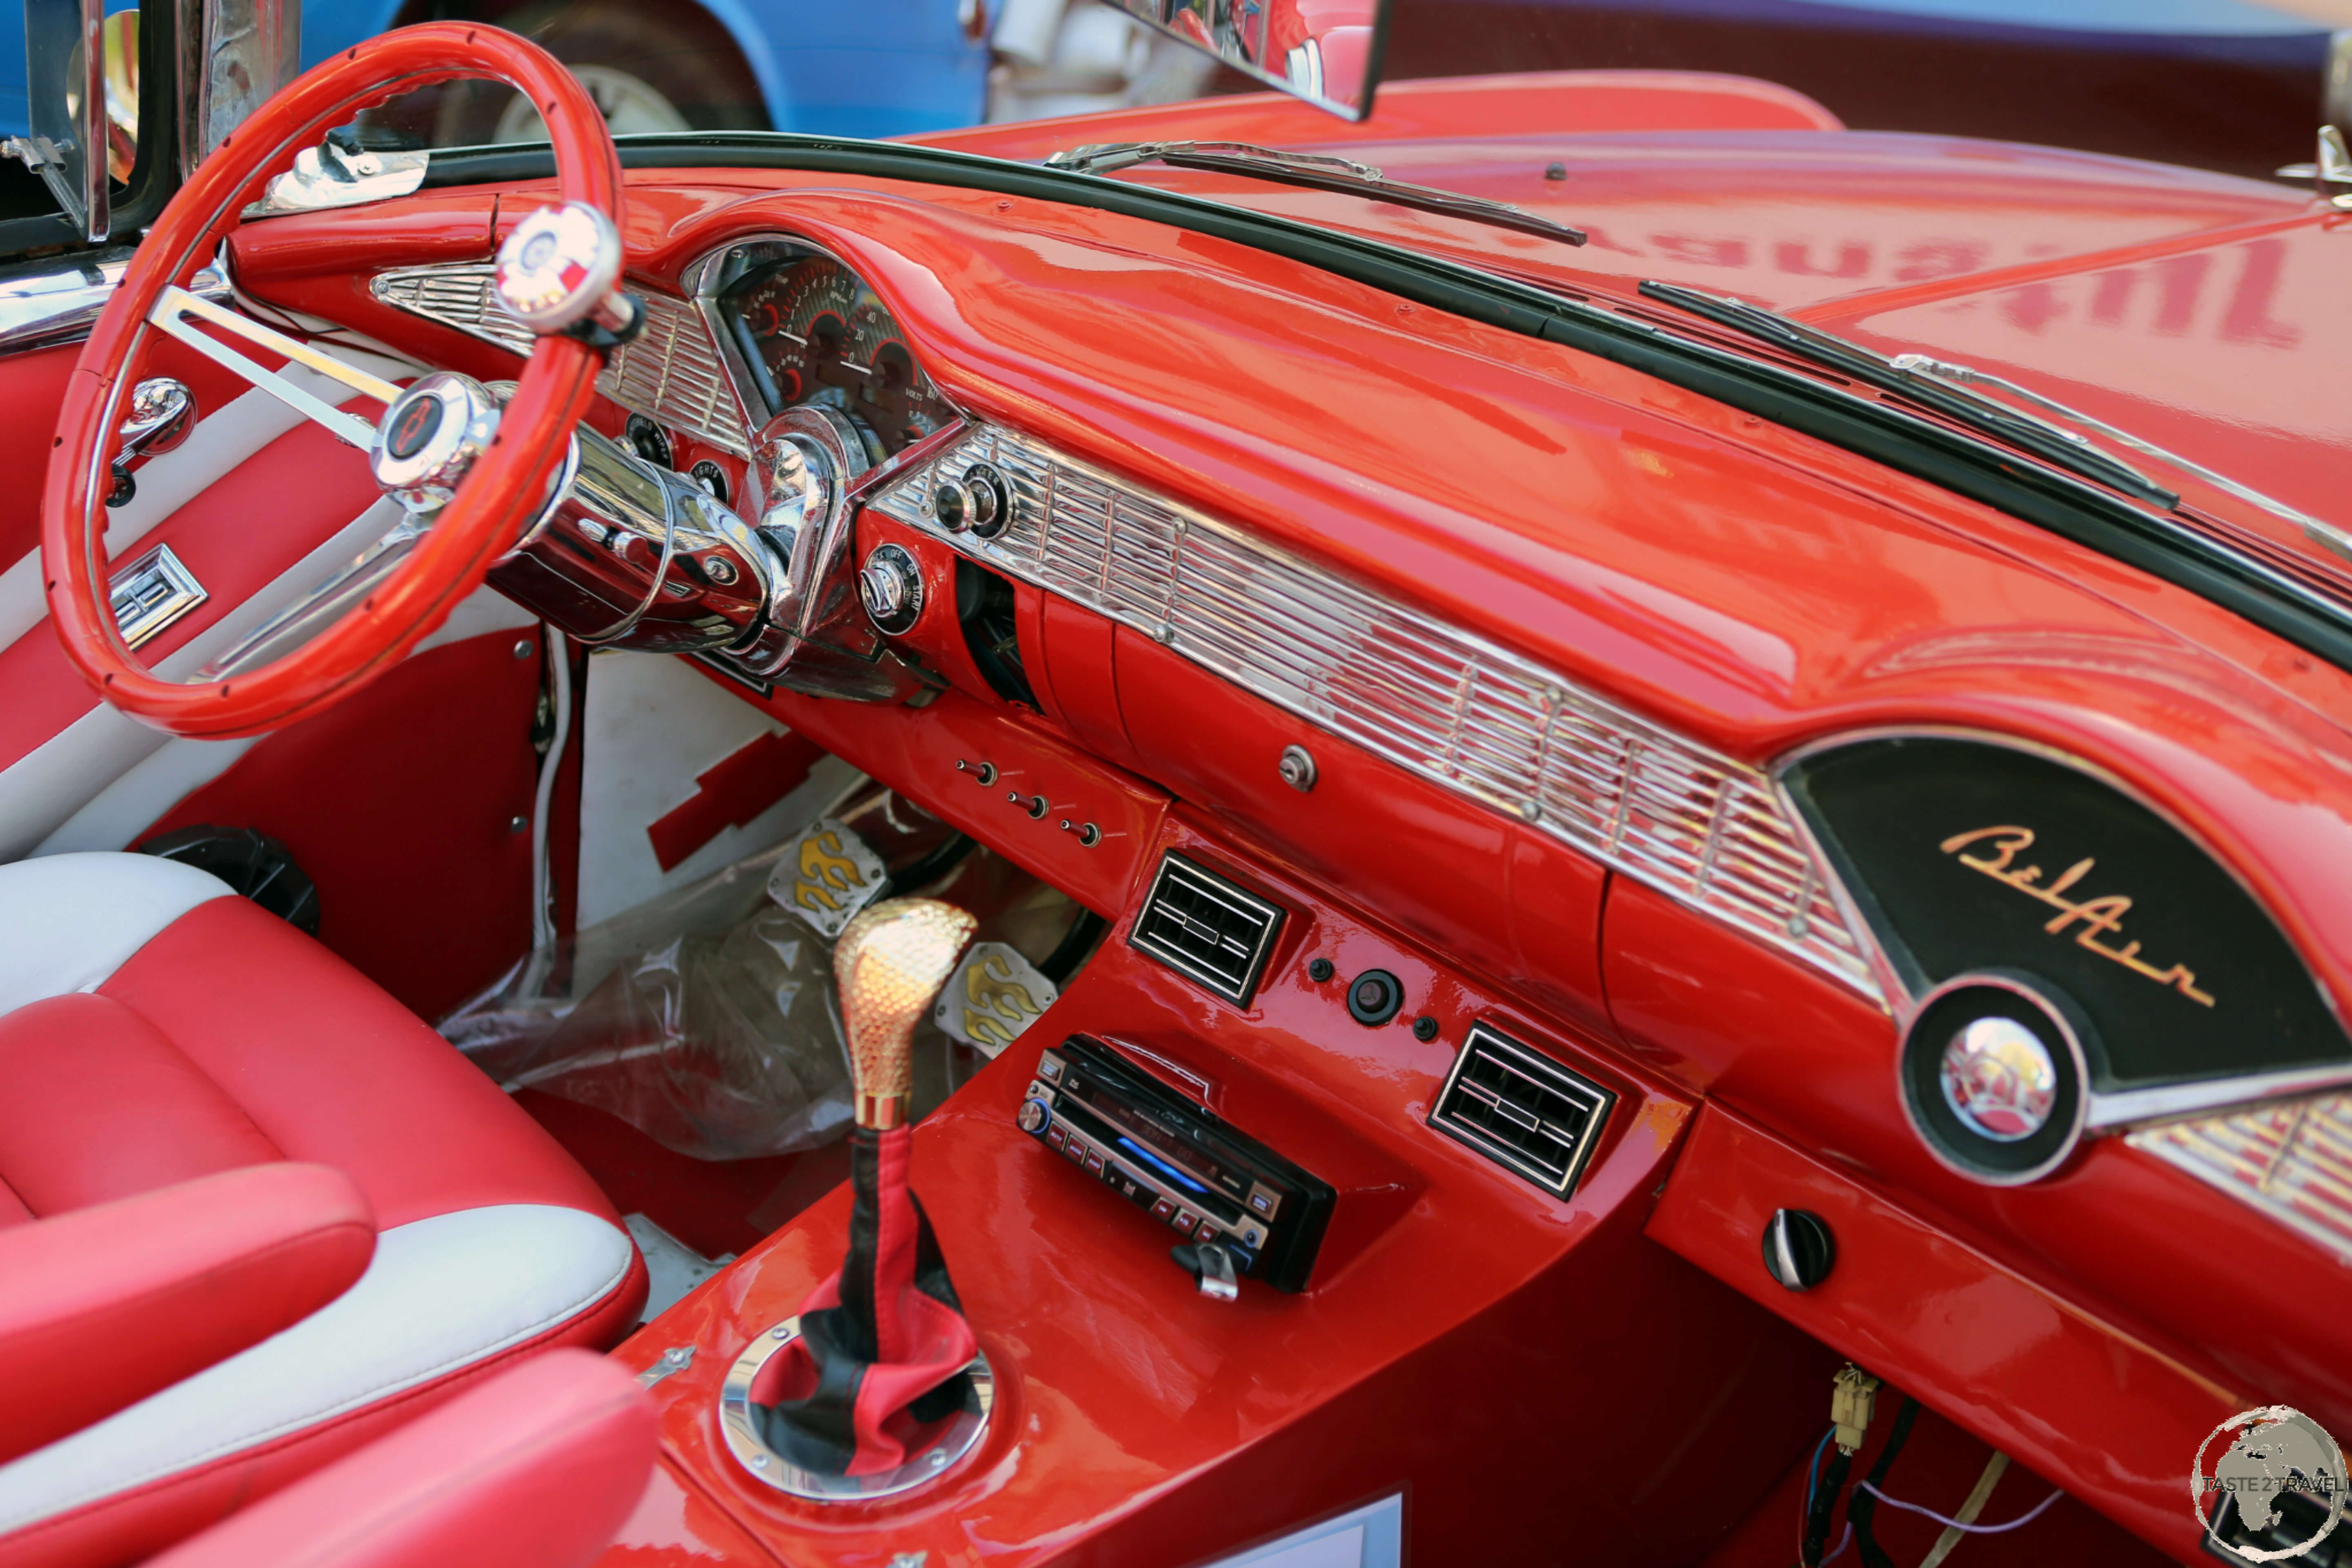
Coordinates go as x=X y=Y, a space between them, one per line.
x=670 y=373
x=1701 y=828
x=2291 y=1159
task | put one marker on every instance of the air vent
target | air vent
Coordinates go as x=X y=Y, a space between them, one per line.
x=1522 y=1109
x=988 y=613
x=1206 y=928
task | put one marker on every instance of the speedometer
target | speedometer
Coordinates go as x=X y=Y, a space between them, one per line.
x=817 y=333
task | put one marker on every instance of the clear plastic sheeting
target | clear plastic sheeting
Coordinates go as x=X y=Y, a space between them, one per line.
x=708 y=1018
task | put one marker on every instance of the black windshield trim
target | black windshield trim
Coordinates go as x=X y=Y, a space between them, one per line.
x=1951 y=459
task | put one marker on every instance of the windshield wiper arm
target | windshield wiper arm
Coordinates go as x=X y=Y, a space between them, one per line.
x=2053 y=444
x=1313 y=170
x=2327 y=534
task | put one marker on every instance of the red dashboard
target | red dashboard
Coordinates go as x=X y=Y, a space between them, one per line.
x=1723 y=586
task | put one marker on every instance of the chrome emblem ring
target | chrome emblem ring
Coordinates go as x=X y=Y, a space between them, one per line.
x=1999 y=1079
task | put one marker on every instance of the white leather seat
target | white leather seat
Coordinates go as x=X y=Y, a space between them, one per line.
x=155 y=1027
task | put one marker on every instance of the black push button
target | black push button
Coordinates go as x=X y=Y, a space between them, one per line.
x=1374 y=996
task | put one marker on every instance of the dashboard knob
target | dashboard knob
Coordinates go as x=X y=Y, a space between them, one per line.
x=1034 y=1116
x=891 y=585
x=988 y=499
x=952 y=505
x=1799 y=1250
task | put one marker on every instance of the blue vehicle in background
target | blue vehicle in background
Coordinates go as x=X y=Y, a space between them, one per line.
x=843 y=68
x=840 y=68
x=2235 y=85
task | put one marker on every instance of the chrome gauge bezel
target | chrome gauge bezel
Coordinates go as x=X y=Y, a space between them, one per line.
x=709 y=275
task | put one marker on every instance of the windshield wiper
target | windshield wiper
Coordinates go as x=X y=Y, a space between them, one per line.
x=2049 y=442
x=1312 y=170
x=2325 y=533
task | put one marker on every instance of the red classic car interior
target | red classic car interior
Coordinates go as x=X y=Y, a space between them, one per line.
x=1683 y=947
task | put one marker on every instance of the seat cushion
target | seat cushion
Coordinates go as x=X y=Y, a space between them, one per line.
x=157 y=1028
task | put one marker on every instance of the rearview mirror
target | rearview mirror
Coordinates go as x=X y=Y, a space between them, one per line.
x=1325 y=51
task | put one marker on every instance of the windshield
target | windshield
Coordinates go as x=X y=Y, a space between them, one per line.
x=2233 y=86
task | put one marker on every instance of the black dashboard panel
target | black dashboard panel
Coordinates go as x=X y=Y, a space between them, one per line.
x=813 y=332
x=1967 y=856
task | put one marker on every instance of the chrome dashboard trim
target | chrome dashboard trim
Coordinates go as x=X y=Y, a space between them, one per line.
x=1703 y=828
x=2292 y=1160
x=47 y=304
x=670 y=373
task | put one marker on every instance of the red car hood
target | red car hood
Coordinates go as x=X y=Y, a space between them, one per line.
x=2190 y=308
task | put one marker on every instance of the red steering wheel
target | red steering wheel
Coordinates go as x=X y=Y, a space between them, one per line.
x=423 y=572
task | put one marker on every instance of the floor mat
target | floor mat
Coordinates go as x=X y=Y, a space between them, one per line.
x=709 y=1205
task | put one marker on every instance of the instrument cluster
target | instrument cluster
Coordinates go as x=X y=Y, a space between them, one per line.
x=813 y=332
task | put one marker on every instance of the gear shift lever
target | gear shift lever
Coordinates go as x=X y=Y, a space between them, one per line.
x=890 y=961
x=883 y=1344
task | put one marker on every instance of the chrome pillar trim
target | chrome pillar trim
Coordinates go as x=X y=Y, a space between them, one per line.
x=47 y=303
x=739 y=1428
x=152 y=593
x=670 y=372
x=2336 y=92
x=234 y=57
x=339 y=175
x=2292 y=1160
x=1706 y=829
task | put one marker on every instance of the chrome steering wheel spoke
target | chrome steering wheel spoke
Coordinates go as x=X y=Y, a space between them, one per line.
x=324 y=605
x=176 y=306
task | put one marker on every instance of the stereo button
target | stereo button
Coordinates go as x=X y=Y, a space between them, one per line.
x=1184 y=1219
x=1077 y=1155
x=1208 y=1231
x=1163 y=1210
x=1095 y=1164
x=1054 y=1136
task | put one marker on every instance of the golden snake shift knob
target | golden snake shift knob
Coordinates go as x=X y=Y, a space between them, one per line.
x=890 y=961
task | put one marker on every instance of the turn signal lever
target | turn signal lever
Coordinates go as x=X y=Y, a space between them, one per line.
x=884 y=1354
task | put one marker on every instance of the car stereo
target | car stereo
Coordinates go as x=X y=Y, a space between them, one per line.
x=1163 y=1153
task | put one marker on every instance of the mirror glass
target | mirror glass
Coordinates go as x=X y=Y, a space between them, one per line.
x=1325 y=51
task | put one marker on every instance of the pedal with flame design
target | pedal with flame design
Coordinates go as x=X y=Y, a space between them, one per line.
x=826 y=874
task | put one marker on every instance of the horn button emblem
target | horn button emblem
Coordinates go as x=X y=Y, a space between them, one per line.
x=430 y=437
x=412 y=425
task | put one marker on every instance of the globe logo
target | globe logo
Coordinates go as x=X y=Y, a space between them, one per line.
x=2251 y=1460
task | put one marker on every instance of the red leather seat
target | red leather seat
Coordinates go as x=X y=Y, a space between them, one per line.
x=155 y=1027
